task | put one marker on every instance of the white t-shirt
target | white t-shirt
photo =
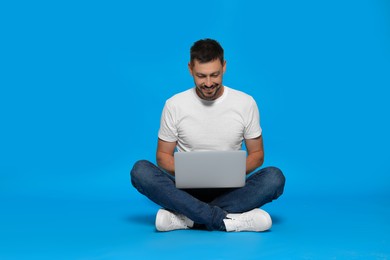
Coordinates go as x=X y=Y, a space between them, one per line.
x=200 y=125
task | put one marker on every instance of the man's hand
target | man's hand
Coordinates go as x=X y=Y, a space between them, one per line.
x=164 y=155
x=255 y=156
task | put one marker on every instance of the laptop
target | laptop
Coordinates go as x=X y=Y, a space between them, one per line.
x=210 y=169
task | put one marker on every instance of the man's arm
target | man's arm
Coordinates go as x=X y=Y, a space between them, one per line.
x=255 y=156
x=164 y=155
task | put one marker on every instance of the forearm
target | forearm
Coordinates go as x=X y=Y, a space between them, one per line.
x=253 y=161
x=166 y=161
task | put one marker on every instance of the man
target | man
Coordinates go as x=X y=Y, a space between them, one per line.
x=209 y=116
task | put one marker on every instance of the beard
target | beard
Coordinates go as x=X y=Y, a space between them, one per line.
x=209 y=93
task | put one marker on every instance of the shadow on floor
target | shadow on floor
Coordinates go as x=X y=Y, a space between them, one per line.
x=145 y=219
x=277 y=219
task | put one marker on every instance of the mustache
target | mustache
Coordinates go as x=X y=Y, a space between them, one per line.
x=209 y=87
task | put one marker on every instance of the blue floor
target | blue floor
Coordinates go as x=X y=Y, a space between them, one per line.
x=110 y=220
x=82 y=87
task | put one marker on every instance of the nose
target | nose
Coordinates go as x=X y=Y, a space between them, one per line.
x=208 y=83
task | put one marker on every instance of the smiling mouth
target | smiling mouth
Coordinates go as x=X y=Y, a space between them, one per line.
x=208 y=93
x=209 y=88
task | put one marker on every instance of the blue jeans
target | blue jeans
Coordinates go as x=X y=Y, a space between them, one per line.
x=207 y=207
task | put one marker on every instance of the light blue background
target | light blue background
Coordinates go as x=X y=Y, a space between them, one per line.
x=83 y=84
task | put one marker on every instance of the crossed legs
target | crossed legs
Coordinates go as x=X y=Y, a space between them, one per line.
x=261 y=187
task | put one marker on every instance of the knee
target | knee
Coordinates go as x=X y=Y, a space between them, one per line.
x=138 y=170
x=276 y=179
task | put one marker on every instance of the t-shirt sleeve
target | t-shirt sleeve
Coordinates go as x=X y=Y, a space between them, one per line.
x=252 y=127
x=168 y=130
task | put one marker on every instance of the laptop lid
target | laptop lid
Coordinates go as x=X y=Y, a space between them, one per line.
x=210 y=169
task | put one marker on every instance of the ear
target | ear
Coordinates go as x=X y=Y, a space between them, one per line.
x=224 y=66
x=190 y=68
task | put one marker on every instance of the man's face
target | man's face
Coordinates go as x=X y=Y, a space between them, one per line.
x=208 y=78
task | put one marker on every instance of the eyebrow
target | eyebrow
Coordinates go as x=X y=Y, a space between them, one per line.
x=213 y=73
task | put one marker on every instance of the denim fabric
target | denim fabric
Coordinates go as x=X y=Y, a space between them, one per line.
x=207 y=206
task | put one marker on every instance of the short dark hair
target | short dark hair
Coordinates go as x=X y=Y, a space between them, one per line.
x=206 y=50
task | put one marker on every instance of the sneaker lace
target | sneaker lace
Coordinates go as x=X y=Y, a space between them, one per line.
x=178 y=221
x=245 y=224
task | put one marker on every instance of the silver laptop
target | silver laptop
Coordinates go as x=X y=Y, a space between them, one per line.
x=210 y=169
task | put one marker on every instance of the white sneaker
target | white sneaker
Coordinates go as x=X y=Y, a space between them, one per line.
x=167 y=221
x=254 y=220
